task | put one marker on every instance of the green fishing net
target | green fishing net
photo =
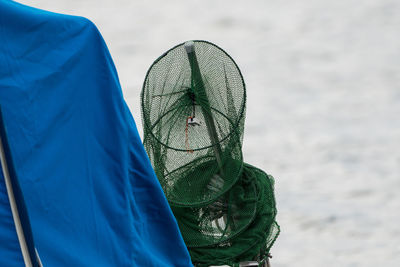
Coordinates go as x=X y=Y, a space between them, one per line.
x=193 y=110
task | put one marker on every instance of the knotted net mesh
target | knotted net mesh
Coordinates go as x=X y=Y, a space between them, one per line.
x=193 y=109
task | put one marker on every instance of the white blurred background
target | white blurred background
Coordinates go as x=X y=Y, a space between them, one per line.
x=323 y=86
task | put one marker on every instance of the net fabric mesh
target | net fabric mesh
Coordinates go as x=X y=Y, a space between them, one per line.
x=193 y=109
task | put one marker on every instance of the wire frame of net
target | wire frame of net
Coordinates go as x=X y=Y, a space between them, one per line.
x=193 y=168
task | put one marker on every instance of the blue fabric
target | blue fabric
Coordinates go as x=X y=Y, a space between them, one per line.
x=91 y=194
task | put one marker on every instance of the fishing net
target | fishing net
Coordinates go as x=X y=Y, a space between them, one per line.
x=193 y=109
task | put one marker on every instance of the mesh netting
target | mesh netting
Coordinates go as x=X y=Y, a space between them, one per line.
x=193 y=105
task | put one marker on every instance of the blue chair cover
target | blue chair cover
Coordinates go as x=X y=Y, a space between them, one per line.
x=90 y=191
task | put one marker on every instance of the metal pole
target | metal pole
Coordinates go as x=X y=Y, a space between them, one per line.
x=267 y=264
x=18 y=209
x=14 y=208
x=200 y=92
x=198 y=84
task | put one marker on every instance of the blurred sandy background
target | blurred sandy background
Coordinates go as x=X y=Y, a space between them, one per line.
x=323 y=81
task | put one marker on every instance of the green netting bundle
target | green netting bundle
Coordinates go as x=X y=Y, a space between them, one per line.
x=193 y=109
